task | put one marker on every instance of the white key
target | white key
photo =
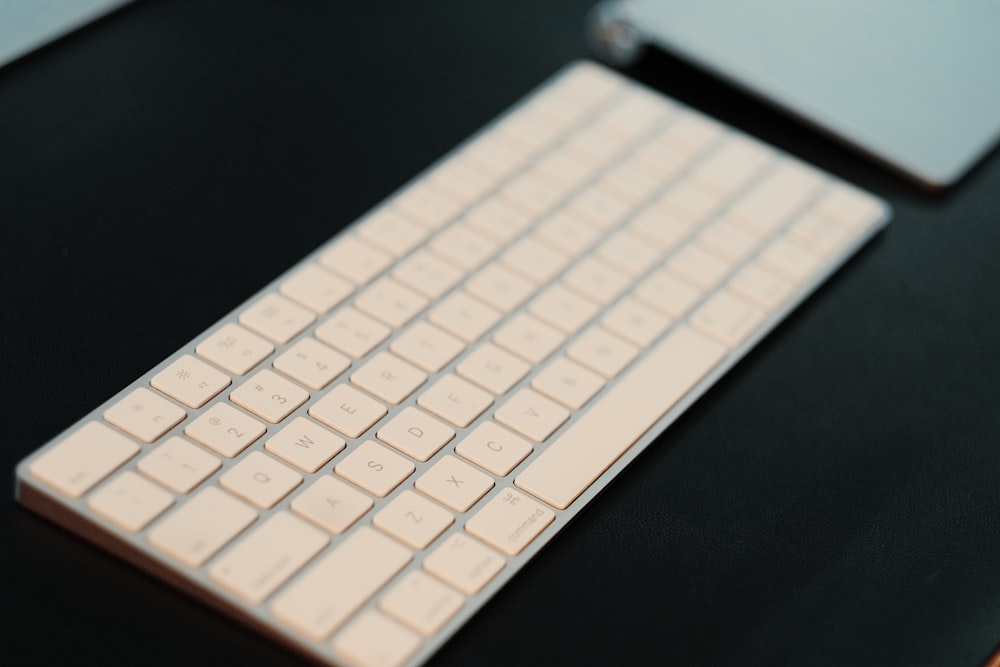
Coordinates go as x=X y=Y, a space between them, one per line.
x=497 y=220
x=373 y=640
x=234 y=349
x=499 y=287
x=305 y=444
x=427 y=273
x=355 y=260
x=533 y=260
x=464 y=563
x=388 y=377
x=493 y=156
x=817 y=235
x=762 y=287
x=83 y=459
x=599 y=208
x=412 y=519
x=510 y=521
x=427 y=346
x=179 y=465
x=692 y=133
x=269 y=396
x=493 y=369
x=347 y=410
x=463 y=247
x=562 y=170
x=699 y=268
x=629 y=183
x=596 y=280
x=687 y=201
x=310 y=362
x=277 y=318
x=455 y=400
x=260 y=479
x=190 y=381
x=266 y=558
x=783 y=191
x=422 y=204
x=662 y=228
x=390 y=302
x=562 y=308
x=316 y=288
x=130 y=501
x=391 y=232
x=461 y=180
x=421 y=602
x=532 y=415
x=528 y=337
x=494 y=448
x=788 y=260
x=225 y=429
x=635 y=322
x=454 y=484
x=593 y=147
x=375 y=468
x=733 y=165
x=620 y=417
x=667 y=294
x=567 y=233
x=602 y=351
x=331 y=504
x=628 y=254
x=849 y=208
x=726 y=318
x=333 y=589
x=416 y=433
x=145 y=415
x=464 y=316
x=352 y=332
x=567 y=382
x=194 y=532
x=726 y=240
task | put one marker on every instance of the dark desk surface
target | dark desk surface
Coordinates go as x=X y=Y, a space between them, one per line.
x=834 y=501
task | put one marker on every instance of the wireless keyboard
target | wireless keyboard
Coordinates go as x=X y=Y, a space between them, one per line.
x=358 y=457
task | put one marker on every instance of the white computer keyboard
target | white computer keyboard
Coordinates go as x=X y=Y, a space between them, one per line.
x=362 y=454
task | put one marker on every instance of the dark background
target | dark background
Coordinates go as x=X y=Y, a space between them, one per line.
x=832 y=502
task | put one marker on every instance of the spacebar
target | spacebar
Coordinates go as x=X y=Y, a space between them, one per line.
x=619 y=418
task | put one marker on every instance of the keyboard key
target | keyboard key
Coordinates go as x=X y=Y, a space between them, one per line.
x=266 y=558
x=305 y=444
x=427 y=273
x=531 y=414
x=427 y=346
x=260 y=479
x=310 y=362
x=375 y=468
x=533 y=260
x=412 y=519
x=277 y=318
x=727 y=319
x=667 y=294
x=463 y=247
x=621 y=416
x=510 y=521
x=455 y=400
x=628 y=254
x=190 y=381
x=788 y=260
x=225 y=429
x=493 y=448
x=762 y=287
x=596 y=281
x=234 y=349
x=331 y=504
x=415 y=433
x=464 y=316
x=602 y=351
x=500 y=221
x=144 y=415
x=352 y=332
x=634 y=322
x=421 y=602
x=390 y=303
x=179 y=465
x=699 y=268
x=528 y=337
x=493 y=369
x=454 y=484
x=130 y=501
x=391 y=232
x=373 y=640
x=316 y=288
x=356 y=260
x=568 y=383
x=499 y=287
x=195 y=531
x=83 y=459
x=420 y=203
x=388 y=377
x=562 y=308
x=464 y=563
x=326 y=595
x=347 y=410
x=269 y=396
